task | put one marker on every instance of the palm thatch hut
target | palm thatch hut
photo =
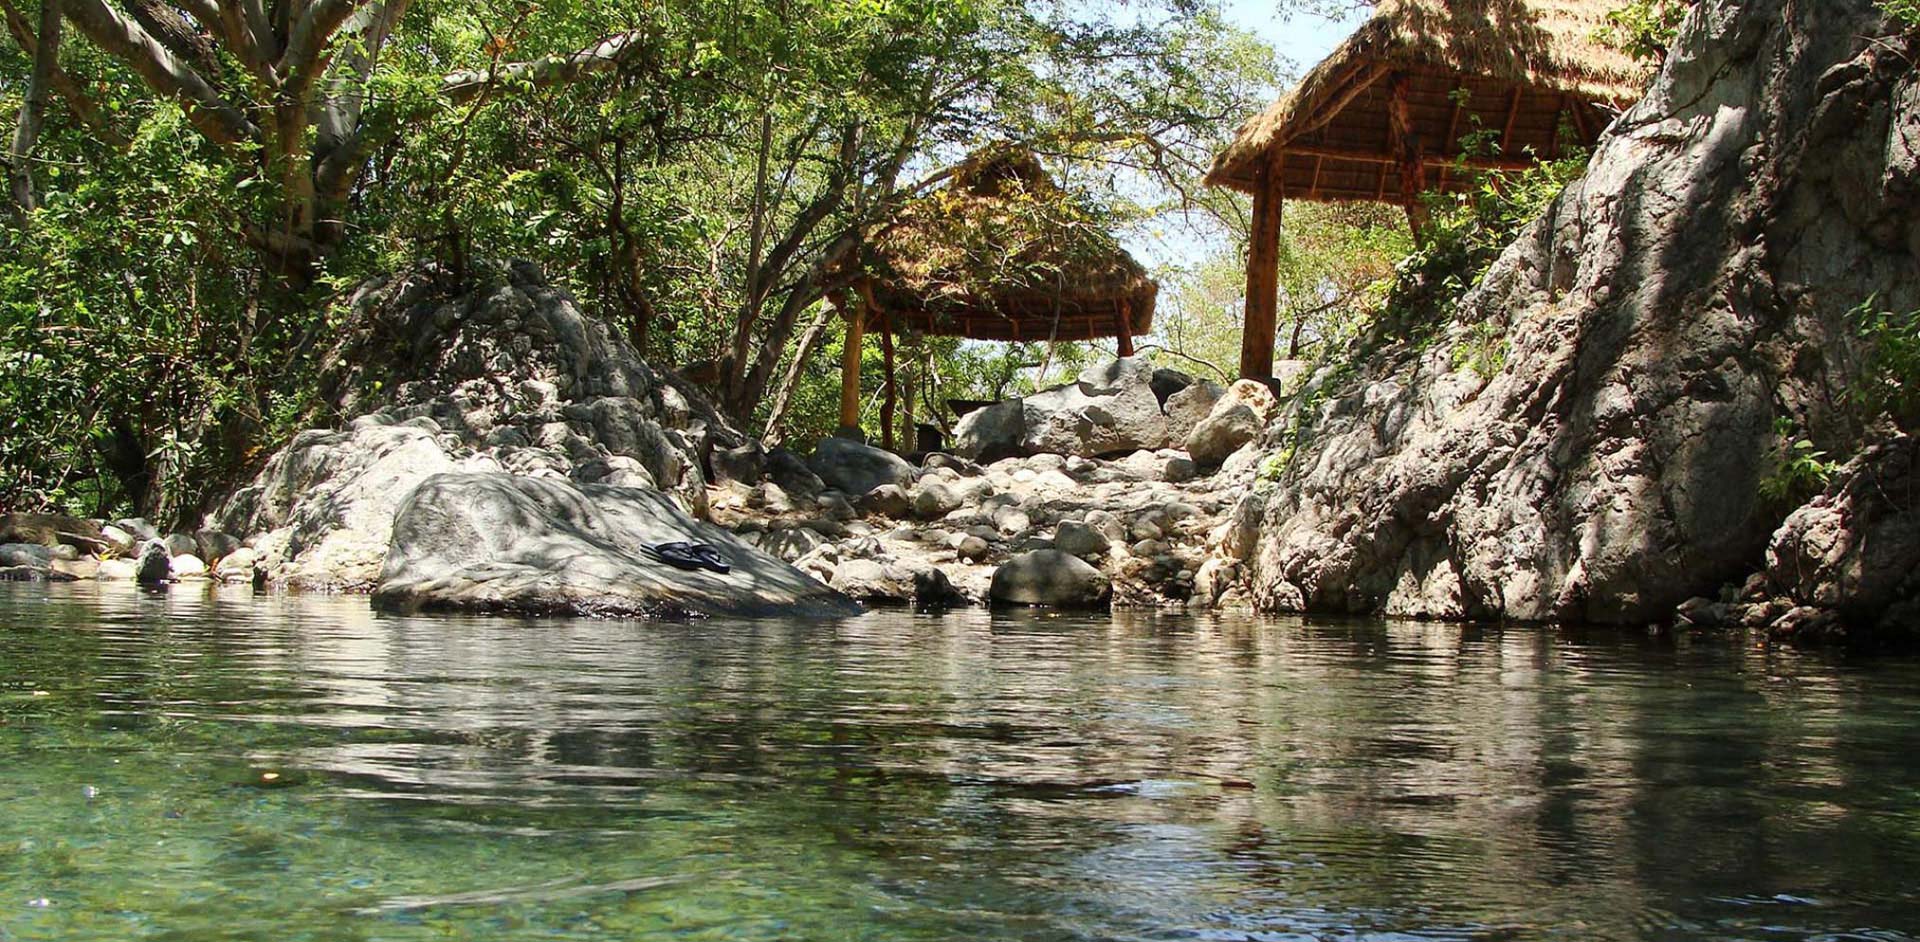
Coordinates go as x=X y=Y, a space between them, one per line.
x=1421 y=88
x=1000 y=253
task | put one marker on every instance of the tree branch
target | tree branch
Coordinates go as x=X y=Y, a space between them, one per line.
x=125 y=40
x=70 y=90
x=303 y=60
x=460 y=87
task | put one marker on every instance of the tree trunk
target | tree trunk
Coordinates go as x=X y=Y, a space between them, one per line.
x=783 y=399
x=34 y=110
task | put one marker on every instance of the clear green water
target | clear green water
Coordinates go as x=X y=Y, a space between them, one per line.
x=901 y=778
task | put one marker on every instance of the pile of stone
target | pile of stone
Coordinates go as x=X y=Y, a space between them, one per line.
x=1046 y=529
x=512 y=378
x=59 y=548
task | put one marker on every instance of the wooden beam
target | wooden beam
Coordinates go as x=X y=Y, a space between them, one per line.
x=1580 y=125
x=1513 y=114
x=889 y=397
x=1404 y=143
x=1332 y=107
x=850 y=366
x=1313 y=186
x=1429 y=159
x=1263 y=276
x=1453 y=131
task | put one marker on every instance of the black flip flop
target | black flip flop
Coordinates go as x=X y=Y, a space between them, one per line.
x=681 y=555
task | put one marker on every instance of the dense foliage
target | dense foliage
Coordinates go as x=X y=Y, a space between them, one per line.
x=698 y=171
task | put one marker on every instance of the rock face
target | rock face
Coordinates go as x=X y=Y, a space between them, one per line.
x=1050 y=578
x=1669 y=308
x=501 y=542
x=1855 y=550
x=506 y=378
x=1111 y=408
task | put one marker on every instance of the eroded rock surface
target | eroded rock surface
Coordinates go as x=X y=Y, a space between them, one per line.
x=510 y=377
x=1670 y=312
x=1854 y=551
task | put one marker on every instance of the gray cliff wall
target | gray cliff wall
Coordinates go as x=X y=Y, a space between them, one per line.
x=1669 y=308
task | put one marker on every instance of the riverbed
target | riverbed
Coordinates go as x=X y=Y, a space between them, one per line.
x=201 y=764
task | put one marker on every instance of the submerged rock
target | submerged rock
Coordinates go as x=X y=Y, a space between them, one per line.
x=500 y=542
x=1053 y=579
x=155 y=564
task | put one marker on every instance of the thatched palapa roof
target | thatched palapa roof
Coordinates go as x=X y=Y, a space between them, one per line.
x=1518 y=72
x=1002 y=253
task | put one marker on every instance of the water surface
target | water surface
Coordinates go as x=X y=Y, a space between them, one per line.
x=202 y=765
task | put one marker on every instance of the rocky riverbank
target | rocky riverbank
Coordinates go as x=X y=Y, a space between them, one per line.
x=1680 y=324
x=500 y=450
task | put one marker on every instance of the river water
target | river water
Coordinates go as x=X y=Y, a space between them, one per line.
x=202 y=765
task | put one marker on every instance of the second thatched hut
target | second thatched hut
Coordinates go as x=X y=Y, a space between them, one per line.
x=999 y=253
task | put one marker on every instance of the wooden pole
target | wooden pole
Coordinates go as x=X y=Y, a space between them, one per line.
x=850 y=367
x=1263 y=273
x=1405 y=145
x=889 y=398
x=1126 y=330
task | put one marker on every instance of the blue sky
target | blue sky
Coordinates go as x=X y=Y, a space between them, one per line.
x=1301 y=41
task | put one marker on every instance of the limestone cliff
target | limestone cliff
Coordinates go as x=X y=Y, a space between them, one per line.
x=1670 y=314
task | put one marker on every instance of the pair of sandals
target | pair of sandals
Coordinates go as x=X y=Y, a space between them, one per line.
x=698 y=556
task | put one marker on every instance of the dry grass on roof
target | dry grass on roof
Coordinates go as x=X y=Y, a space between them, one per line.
x=1002 y=237
x=1550 y=45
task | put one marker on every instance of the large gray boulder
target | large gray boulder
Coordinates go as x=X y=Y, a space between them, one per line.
x=322 y=509
x=511 y=376
x=890 y=582
x=854 y=468
x=505 y=543
x=1110 y=409
x=992 y=433
x=1223 y=433
x=1050 y=578
x=1189 y=407
x=1648 y=332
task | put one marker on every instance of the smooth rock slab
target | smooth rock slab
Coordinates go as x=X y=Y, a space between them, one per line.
x=498 y=542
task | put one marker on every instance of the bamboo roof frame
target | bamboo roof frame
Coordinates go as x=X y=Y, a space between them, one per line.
x=1529 y=76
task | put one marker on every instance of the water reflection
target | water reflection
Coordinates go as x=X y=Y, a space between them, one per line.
x=968 y=776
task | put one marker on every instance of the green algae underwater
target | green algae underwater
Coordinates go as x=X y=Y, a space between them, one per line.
x=204 y=765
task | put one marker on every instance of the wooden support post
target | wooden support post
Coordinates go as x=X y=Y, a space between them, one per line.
x=1580 y=126
x=1404 y=143
x=1263 y=273
x=850 y=367
x=1126 y=330
x=1452 y=143
x=890 y=395
x=1513 y=117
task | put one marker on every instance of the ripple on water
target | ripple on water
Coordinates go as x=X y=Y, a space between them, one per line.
x=208 y=764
